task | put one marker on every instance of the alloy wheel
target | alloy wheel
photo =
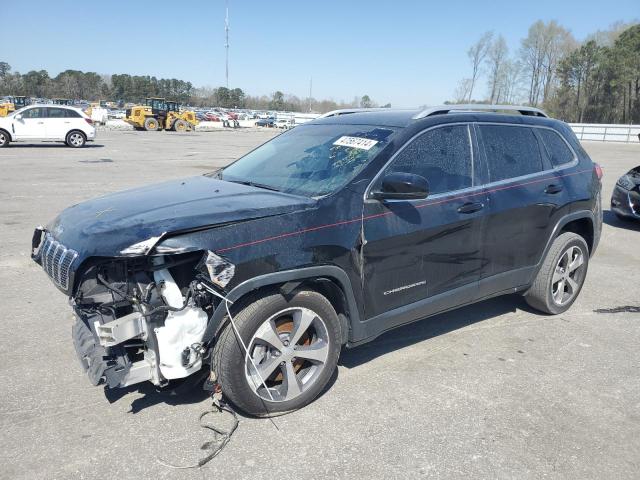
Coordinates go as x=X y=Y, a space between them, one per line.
x=289 y=351
x=568 y=275
x=76 y=139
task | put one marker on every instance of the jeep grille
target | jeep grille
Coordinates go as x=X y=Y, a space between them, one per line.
x=56 y=260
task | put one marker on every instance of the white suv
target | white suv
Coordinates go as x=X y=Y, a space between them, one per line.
x=47 y=122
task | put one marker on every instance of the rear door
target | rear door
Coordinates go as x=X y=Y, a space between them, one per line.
x=31 y=124
x=58 y=123
x=523 y=196
x=420 y=250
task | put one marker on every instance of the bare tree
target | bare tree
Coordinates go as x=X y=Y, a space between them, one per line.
x=462 y=90
x=477 y=53
x=496 y=59
x=541 y=51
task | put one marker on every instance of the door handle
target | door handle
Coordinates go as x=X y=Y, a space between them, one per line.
x=40 y=123
x=552 y=189
x=470 y=207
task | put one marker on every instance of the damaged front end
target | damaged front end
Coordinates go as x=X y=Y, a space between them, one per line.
x=139 y=317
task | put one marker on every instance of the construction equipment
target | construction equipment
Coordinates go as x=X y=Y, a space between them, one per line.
x=159 y=114
x=14 y=104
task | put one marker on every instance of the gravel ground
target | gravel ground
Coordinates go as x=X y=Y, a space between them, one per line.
x=493 y=390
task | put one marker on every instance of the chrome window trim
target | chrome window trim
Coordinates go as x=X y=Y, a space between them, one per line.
x=367 y=192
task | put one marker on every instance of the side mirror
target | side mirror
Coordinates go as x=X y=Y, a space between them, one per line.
x=19 y=116
x=402 y=186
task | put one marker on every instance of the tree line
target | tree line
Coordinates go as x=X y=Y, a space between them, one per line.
x=91 y=86
x=593 y=81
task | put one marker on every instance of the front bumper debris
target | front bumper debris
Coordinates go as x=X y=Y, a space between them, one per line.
x=94 y=359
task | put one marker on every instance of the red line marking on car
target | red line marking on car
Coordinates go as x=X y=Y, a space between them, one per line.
x=384 y=214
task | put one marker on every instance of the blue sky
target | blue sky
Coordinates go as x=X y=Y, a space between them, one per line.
x=408 y=53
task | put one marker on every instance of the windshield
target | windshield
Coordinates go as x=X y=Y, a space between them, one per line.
x=310 y=160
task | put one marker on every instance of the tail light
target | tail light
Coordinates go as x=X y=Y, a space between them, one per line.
x=598 y=170
x=89 y=121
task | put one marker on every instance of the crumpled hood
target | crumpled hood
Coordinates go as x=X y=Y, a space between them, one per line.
x=106 y=225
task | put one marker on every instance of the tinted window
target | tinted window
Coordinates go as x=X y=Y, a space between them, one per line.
x=511 y=151
x=442 y=156
x=556 y=148
x=57 y=113
x=33 y=113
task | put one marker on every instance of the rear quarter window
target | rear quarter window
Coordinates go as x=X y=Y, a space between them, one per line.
x=511 y=151
x=556 y=148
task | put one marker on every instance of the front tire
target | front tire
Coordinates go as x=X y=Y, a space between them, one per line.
x=561 y=276
x=76 y=139
x=293 y=342
x=4 y=139
x=180 y=126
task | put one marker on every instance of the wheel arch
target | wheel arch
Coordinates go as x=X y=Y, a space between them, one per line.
x=577 y=222
x=75 y=130
x=329 y=280
x=8 y=133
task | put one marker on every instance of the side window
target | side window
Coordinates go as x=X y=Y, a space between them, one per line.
x=442 y=156
x=34 y=113
x=57 y=112
x=512 y=151
x=556 y=148
x=72 y=113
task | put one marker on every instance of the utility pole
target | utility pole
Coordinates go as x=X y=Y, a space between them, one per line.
x=226 y=43
x=310 y=92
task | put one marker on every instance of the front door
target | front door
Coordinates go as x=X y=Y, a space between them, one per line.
x=422 y=255
x=31 y=124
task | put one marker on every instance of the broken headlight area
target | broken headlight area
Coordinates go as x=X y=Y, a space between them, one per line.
x=142 y=319
x=219 y=270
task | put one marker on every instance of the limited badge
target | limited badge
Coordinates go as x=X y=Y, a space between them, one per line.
x=356 y=142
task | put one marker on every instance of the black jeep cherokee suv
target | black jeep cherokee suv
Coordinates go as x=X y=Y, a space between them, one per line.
x=328 y=235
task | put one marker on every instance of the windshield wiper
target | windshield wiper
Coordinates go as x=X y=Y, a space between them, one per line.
x=254 y=184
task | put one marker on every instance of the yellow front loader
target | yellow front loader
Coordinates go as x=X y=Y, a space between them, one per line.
x=158 y=114
x=16 y=103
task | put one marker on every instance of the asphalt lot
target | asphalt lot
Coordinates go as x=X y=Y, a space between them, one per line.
x=489 y=391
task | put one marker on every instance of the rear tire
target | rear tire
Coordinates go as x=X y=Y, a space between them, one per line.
x=561 y=276
x=303 y=323
x=4 y=139
x=76 y=139
x=151 y=124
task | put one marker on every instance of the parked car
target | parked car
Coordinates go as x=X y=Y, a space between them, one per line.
x=328 y=235
x=625 y=200
x=46 y=122
x=265 y=122
x=211 y=117
x=284 y=123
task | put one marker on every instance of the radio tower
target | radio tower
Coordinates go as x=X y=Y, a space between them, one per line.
x=226 y=43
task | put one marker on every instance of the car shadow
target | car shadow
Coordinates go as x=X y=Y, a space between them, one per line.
x=186 y=392
x=613 y=220
x=51 y=145
x=191 y=391
x=431 y=327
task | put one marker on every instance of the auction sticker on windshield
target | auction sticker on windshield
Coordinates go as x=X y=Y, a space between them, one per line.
x=356 y=142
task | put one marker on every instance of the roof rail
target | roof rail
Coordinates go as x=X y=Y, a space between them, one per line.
x=345 y=111
x=480 y=107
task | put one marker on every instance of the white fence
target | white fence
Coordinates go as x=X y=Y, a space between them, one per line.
x=607 y=133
